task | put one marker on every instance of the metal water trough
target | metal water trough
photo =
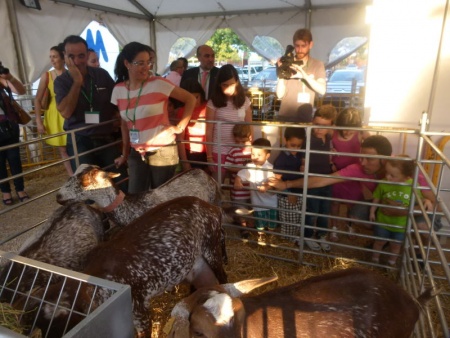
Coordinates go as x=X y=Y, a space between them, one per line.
x=112 y=319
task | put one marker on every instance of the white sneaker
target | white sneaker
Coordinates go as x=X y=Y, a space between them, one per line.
x=324 y=244
x=333 y=236
x=351 y=232
x=312 y=245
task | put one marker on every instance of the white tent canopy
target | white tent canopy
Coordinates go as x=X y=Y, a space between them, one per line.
x=27 y=34
x=409 y=56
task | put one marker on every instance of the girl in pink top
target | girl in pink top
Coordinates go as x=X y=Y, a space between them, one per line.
x=345 y=141
x=195 y=132
x=147 y=135
x=228 y=103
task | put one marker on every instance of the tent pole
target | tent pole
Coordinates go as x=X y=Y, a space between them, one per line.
x=23 y=74
x=308 y=11
x=153 y=41
x=437 y=63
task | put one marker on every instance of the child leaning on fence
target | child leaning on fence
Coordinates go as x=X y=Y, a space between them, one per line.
x=240 y=156
x=345 y=141
x=393 y=227
x=257 y=174
x=290 y=159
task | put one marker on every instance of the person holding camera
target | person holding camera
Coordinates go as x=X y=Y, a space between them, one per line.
x=9 y=134
x=300 y=77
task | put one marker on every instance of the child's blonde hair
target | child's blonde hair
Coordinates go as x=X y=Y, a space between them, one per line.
x=349 y=117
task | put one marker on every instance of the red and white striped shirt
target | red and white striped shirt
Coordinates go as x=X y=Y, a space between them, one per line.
x=146 y=112
x=228 y=114
x=237 y=157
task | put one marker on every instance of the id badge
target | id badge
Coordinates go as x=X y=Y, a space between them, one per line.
x=134 y=136
x=303 y=98
x=92 y=117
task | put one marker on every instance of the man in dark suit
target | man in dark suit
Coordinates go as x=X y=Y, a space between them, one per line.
x=206 y=73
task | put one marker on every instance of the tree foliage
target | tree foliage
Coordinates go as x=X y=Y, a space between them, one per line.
x=227 y=44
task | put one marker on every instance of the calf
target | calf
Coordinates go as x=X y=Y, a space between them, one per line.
x=347 y=303
x=65 y=240
x=175 y=241
x=91 y=183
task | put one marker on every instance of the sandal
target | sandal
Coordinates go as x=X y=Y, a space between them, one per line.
x=8 y=201
x=24 y=197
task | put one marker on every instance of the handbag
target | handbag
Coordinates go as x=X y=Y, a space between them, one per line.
x=14 y=111
x=45 y=101
x=22 y=115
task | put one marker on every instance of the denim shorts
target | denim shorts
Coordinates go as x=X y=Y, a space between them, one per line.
x=384 y=233
x=437 y=225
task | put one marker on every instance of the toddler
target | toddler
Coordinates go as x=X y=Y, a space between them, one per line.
x=392 y=227
x=264 y=203
x=239 y=156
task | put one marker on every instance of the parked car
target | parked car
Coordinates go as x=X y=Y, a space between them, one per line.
x=266 y=79
x=243 y=72
x=348 y=80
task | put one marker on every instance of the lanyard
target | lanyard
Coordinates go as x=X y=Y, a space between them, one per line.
x=89 y=99
x=136 y=105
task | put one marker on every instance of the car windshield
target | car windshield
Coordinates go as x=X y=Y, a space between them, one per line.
x=267 y=74
x=346 y=76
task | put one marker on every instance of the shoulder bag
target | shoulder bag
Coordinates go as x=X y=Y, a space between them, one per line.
x=14 y=111
x=45 y=101
x=22 y=115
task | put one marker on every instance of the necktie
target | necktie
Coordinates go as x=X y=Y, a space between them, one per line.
x=204 y=79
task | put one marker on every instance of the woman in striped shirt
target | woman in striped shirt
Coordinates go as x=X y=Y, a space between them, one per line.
x=228 y=104
x=142 y=100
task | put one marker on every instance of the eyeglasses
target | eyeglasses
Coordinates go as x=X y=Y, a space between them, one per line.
x=142 y=63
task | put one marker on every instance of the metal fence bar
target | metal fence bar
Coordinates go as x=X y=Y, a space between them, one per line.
x=112 y=318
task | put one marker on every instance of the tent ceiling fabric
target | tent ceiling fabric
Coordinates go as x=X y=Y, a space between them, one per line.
x=160 y=23
x=192 y=8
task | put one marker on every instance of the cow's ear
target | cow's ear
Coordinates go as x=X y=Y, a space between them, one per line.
x=246 y=286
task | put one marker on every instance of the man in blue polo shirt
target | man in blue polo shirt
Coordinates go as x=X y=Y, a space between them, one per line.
x=83 y=97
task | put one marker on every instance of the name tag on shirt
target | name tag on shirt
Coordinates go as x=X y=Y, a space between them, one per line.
x=92 y=117
x=134 y=136
x=303 y=98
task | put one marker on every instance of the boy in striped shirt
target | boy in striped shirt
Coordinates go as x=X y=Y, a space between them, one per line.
x=240 y=156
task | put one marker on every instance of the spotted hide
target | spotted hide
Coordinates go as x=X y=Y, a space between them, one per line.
x=175 y=241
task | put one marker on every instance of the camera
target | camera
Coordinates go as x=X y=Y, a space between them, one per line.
x=284 y=71
x=3 y=70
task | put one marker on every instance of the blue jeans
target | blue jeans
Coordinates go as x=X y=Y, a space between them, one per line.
x=101 y=158
x=318 y=206
x=15 y=163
